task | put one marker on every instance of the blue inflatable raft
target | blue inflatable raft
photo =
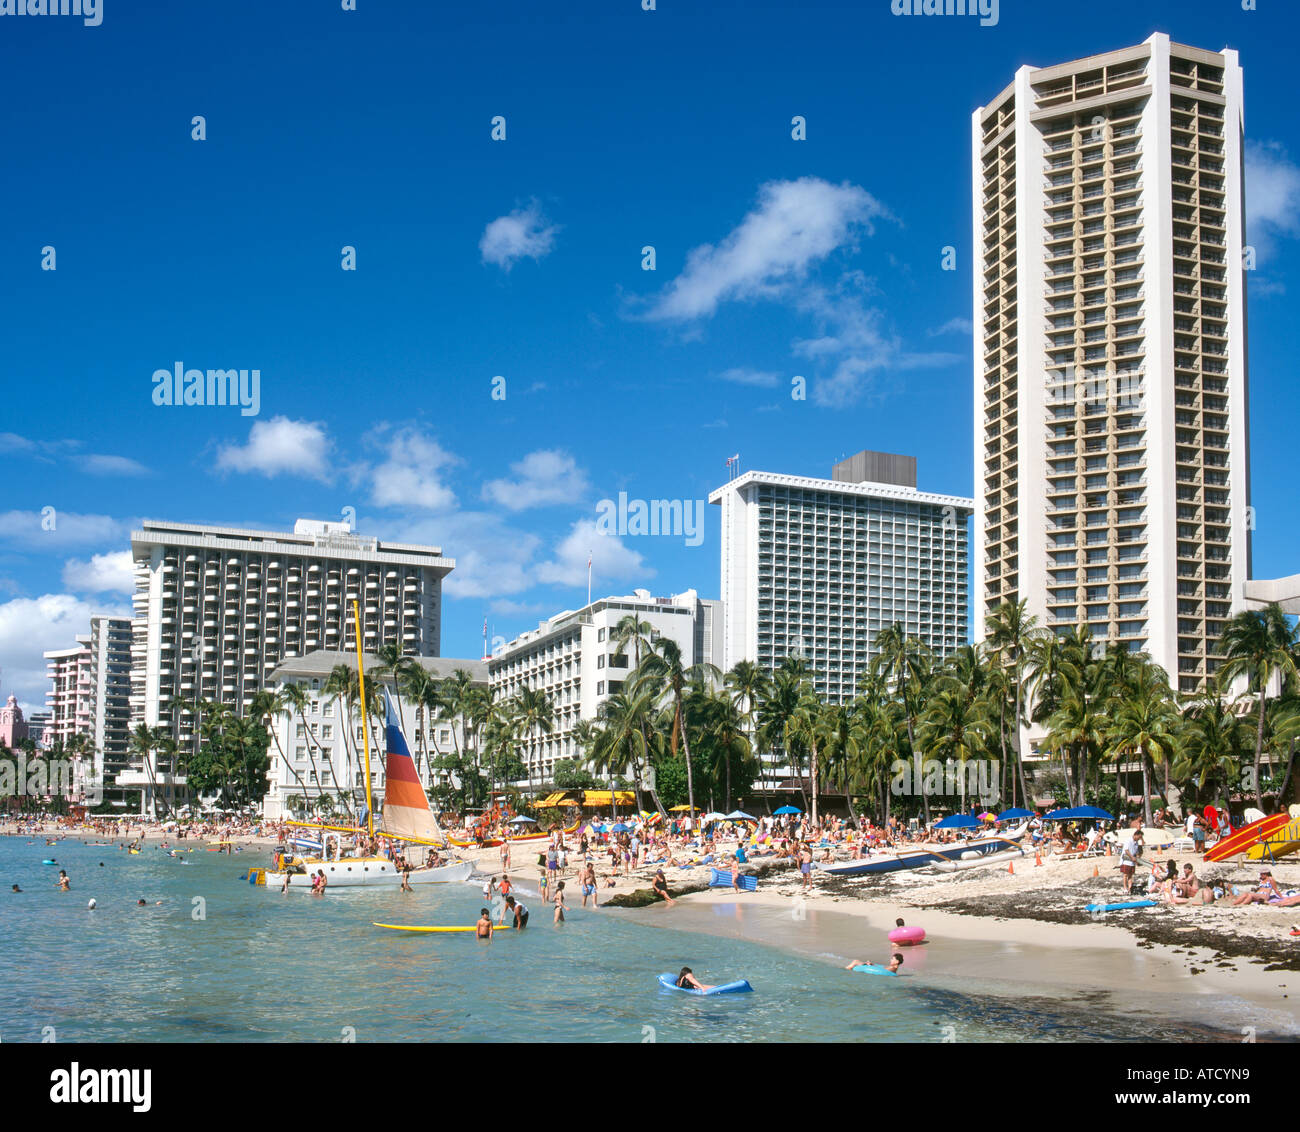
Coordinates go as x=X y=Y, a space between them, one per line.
x=669 y=982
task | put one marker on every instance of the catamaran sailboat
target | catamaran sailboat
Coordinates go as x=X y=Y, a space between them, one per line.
x=407 y=817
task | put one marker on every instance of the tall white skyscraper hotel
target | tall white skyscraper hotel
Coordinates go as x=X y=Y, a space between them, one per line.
x=1111 y=445
x=816 y=568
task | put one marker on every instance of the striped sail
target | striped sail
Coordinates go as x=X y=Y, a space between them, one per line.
x=406 y=807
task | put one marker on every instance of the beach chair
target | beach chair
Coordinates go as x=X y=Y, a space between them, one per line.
x=719 y=879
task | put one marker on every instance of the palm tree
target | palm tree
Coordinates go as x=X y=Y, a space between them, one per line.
x=417 y=684
x=904 y=660
x=666 y=668
x=843 y=741
x=747 y=684
x=1257 y=645
x=143 y=742
x=293 y=700
x=1147 y=724
x=534 y=715
x=1213 y=744
x=955 y=725
x=805 y=728
x=264 y=707
x=729 y=739
x=776 y=711
x=619 y=741
x=1009 y=631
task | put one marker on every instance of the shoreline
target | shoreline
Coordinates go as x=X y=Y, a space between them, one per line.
x=1010 y=931
x=1013 y=931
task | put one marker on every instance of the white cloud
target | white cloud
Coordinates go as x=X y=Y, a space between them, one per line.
x=411 y=476
x=1272 y=196
x=104 y=573
x=504 y=607
x=953 y=326
x=611 y=559
x=281 y=446
x=853 y=340
x=795 y=225
x=492 y=558
x=739 y=375
x=98 y=464
x=48 y=528
x=544 y=477
x=523 y=232
x=30 y=626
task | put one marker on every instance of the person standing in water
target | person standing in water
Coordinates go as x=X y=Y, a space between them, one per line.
x=483 y=929
x=559 y=902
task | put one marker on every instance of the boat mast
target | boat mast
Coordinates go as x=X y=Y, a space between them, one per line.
x=365 y=719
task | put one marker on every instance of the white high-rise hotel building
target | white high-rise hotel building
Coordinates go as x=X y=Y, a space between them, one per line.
x=816 y=568
x=217 y=608
x=1111 y=445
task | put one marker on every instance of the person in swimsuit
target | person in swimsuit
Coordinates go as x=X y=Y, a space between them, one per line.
x=559 y=903
x=588 y=879
x=895 y=961
x=687 y=981
x=1264 y=893
x=805 y=867
x=660 y=887
x=483 y=929
x=63 y=883
x=520 y=913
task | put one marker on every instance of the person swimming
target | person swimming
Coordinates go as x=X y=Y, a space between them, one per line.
x=895 y=961
x=686 y=980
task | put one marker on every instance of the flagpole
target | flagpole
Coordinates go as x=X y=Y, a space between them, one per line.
x=589 y=577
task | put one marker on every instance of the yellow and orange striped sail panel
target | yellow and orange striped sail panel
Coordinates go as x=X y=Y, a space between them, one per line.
x=406 y=807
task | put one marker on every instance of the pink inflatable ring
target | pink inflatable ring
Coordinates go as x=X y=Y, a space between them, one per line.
x=907 y=935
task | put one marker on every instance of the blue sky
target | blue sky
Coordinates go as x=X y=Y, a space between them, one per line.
x=521 y=258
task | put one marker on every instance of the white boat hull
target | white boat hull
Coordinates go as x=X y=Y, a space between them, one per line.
x=367 y=872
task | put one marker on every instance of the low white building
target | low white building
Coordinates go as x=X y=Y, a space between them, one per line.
x=321 y=752
x=572 y=658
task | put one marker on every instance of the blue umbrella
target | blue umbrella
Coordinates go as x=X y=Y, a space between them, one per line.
x=1079 y=813
x=957 y=821
x=1015 y=812
x=620 y=828
x=787 y=810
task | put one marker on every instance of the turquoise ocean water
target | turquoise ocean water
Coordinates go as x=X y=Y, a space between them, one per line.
x=262 y=966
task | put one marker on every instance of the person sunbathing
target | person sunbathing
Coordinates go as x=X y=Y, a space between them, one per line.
x=1263 y=893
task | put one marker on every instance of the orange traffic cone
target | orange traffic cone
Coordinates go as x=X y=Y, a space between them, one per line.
x=1038 y=857
x=1011 y=867
x=1096 y=871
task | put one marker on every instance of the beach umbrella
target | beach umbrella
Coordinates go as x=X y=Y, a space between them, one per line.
x=1015 y=812
x=1079 y=813
x=787 y=810
x=957 y=821
x=715 y=816
x=679 y=809
x=620 y=828
x=740 y=815
x=523 y=821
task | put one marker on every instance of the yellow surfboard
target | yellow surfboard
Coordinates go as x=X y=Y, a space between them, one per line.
x=434 y=928
x=1284 y=841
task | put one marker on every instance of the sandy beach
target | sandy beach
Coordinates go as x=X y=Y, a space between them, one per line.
x=1017 y=927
